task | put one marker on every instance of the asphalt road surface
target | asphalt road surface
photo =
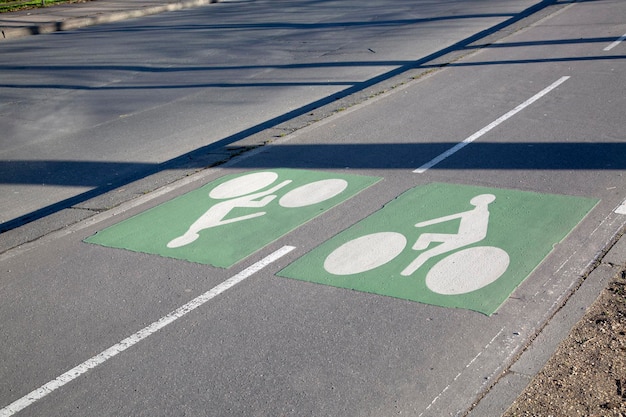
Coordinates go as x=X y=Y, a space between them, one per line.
x=256 y=293
x=87 y=111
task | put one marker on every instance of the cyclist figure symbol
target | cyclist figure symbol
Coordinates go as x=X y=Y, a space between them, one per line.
x=245 y=192
x=472 y=229
x=461 y=272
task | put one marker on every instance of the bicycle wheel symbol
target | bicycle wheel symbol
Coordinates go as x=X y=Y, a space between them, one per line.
x=313 y=193
x=467 y=270
x=365 y=253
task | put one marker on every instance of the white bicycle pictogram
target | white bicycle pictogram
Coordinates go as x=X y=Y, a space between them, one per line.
x=247 y=191
x=462 y=271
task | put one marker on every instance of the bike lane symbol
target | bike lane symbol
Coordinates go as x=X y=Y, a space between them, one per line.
x=248 y=192
x=446 y=245
x=228 y=219
x=445 y=277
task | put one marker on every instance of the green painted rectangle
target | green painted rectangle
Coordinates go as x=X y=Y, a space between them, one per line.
x=446 y=245
x=235 y=215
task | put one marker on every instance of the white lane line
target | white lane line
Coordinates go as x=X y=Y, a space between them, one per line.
x=461 y=373
x=617 y=42
x=107 y=354
x=621 y=209
x=487 y=128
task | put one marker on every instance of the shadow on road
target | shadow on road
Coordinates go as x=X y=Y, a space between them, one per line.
x=107 y=176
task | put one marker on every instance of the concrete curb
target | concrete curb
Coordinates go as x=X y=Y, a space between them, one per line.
x=84 y=21
x=533 y=358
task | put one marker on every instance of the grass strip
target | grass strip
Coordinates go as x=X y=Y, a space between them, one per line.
x=15 y=5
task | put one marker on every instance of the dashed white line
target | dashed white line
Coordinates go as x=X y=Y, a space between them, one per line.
x=107 y=354
x=487 y=128
x=617 y=42
x=461 y=373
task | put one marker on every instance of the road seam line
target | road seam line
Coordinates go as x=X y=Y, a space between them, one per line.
x=135 y=338
x=490 y=126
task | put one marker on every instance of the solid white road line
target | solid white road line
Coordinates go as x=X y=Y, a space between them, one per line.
x=617 y=42
x=107 y=354
x=487 y=128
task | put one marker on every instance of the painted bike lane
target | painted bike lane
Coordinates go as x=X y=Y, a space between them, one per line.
x=441 y=244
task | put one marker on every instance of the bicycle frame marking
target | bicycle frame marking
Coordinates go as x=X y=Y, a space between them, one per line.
x=232 y=217
x=446 y=245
